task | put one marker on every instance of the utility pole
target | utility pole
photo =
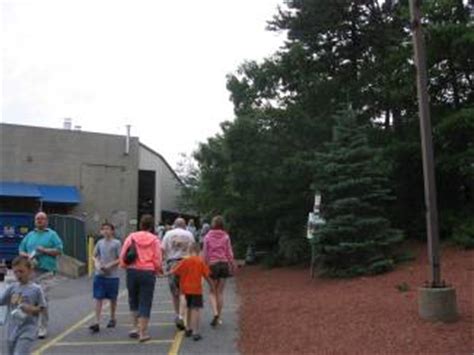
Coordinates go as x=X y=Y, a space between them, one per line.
x=426 y=145
x=436 y=301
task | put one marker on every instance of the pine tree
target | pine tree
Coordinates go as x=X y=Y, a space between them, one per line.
x=357 y=238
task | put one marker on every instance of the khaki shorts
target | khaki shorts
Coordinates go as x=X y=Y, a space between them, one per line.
x=46 y=279
x=173 y=280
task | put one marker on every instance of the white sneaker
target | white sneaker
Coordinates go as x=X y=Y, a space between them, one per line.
x=42 y=332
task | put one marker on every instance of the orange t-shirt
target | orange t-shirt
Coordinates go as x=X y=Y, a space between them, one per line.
x=191 y=271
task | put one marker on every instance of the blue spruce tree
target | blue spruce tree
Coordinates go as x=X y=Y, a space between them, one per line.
x=357 y=238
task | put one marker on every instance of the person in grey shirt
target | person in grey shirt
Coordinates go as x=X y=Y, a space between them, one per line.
x=25 y=301
x=106 y=279
x=175 y=245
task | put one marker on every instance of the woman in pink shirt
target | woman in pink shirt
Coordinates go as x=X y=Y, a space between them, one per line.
x=217 y=253
x=141 y=274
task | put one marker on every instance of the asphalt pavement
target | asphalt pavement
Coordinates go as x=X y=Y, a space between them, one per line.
x=223 y=338
x=71 y=312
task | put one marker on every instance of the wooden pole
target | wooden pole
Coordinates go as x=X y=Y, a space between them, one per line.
x=426 y=145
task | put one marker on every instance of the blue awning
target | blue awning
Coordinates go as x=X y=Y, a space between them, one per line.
x=59 y=194
x=19 y=189
x=45 y=193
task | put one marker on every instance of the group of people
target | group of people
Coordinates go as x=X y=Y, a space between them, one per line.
x=198 y=234
x=178 y=256
x=144 y=256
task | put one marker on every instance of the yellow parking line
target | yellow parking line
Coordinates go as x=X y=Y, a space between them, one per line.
x=152 y=312
x=66 y=332
x=112 y=342
x=154 y=303
x=56 y=341
x=178 y=338
x=156 y=324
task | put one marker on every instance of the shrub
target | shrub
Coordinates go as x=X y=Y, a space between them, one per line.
x=271 y=260
x=463 y=235
x=404 y=257
x=381 y=266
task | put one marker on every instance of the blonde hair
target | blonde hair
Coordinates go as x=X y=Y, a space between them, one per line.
x=217 y=222
x=194 y=248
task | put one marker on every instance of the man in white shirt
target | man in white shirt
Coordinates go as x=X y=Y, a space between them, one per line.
x=175 y=245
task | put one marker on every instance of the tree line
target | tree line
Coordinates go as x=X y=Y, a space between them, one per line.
x=334 y=110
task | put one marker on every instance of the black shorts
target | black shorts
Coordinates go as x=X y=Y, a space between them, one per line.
x=220 y=270
x=194 y=301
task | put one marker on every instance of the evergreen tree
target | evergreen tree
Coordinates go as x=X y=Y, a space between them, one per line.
x=258 y=170
x=357 y=238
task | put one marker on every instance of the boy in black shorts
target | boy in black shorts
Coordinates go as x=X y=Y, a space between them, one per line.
x=191 y=270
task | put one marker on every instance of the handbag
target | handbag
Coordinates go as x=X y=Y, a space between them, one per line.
x=131 y=254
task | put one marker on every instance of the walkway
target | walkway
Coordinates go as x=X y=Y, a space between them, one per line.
x=71 y=315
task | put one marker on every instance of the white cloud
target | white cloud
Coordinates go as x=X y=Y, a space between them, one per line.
x=159 y=65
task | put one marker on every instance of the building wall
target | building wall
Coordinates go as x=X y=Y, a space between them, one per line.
x=167 y=183
x=95 y=163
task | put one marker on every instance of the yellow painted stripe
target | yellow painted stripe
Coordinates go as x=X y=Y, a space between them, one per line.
x=178 y=338
x=155 y=303
x=112 y=342
x=156 y=324
x=152 y=312
x=66 y=332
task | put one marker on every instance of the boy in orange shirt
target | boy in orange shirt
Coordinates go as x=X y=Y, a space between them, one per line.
x=191 y=270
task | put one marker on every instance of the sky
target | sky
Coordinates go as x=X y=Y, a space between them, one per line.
x=158 y=65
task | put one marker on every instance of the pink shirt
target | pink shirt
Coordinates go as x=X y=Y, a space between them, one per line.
x=217 y=247
x=148 y=250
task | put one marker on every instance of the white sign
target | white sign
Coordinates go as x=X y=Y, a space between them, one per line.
x=315 y=221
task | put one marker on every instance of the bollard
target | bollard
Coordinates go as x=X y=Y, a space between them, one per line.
x=90 y=255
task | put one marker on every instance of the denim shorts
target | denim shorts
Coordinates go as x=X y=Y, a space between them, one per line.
x=105 y=288
x=141 y=287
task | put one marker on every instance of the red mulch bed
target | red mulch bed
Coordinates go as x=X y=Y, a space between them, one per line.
x=284 y=311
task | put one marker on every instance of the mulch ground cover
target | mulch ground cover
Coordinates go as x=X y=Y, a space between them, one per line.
x=283 y=311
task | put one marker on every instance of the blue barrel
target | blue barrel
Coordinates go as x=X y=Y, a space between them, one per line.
x=13 y=228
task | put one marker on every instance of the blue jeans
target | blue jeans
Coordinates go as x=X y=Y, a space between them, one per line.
x=141 y=287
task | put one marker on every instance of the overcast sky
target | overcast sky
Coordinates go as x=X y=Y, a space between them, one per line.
x=158 y=65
